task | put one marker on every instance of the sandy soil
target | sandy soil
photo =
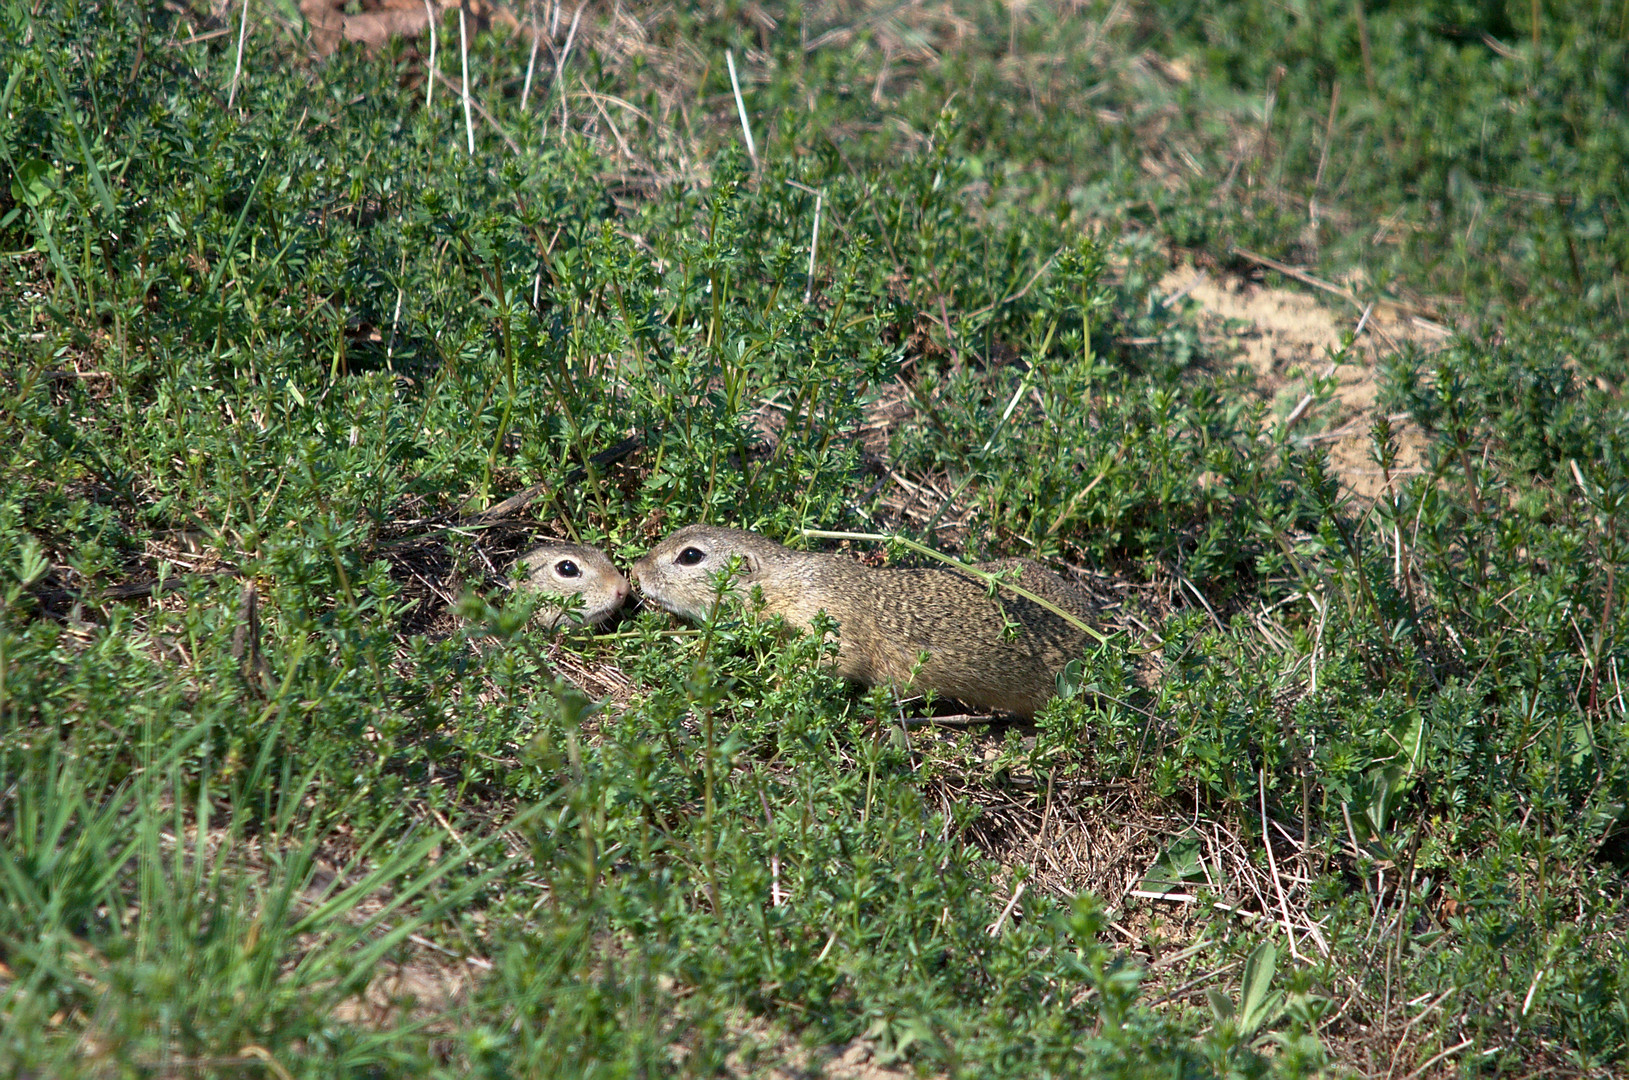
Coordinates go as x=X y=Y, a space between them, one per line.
x=1287 y=337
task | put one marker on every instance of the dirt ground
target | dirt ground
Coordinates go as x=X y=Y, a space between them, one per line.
x=1287 y=337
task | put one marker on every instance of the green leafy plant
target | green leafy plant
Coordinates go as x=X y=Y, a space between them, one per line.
x=289 y=374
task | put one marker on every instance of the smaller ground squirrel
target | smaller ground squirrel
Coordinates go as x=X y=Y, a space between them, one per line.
x=555 y=568
x=999 y=652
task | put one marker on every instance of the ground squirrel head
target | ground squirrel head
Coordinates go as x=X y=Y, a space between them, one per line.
x=680 y=574
x=557 y=569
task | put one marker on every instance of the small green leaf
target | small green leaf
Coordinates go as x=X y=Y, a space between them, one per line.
x=1258 y=1003
x=32 y=182
x=1070 y=679
x=1177 y=865
x=32 y=563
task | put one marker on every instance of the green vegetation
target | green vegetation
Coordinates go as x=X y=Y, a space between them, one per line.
x=289 y=787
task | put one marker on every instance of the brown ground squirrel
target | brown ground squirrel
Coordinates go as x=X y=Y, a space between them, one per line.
x=887 y=618
x=558 y=569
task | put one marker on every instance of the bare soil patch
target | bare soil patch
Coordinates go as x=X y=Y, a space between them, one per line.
x=1287 y=338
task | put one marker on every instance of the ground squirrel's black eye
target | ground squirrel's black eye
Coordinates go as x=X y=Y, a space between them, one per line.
x=691 y=556
x=567 y=568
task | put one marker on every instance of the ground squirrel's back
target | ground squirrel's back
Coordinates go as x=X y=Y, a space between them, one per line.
x=556 y=568
x=990 y=651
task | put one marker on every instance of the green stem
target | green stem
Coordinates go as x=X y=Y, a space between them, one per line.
x=993 y=579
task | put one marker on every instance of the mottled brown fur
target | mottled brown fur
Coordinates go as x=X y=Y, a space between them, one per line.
x=1000 y=652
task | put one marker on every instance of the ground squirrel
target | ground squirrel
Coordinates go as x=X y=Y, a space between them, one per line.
x=887 y=618
x=558 y=569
